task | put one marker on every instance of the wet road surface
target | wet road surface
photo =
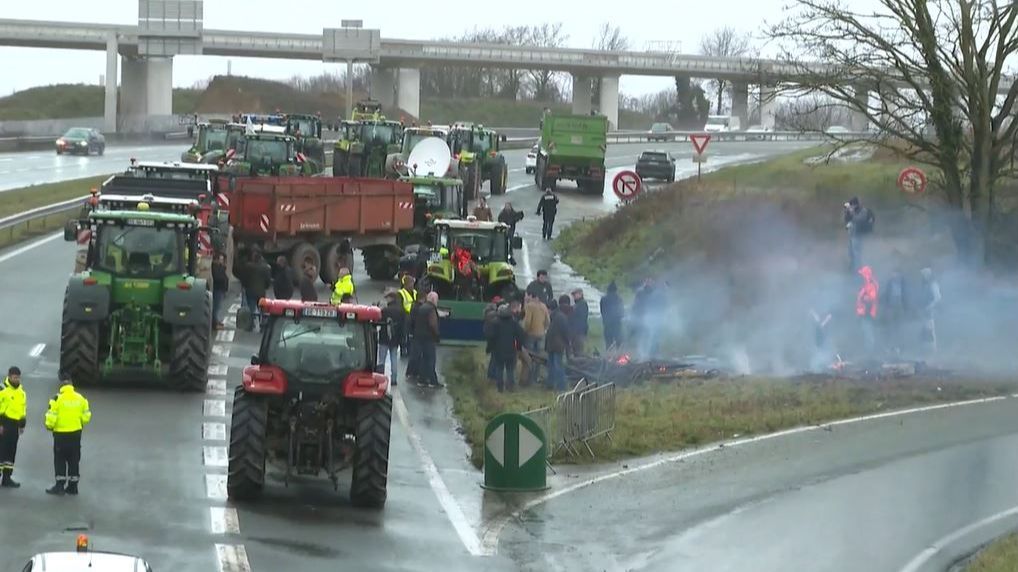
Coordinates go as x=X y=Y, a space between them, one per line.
x=28 y=168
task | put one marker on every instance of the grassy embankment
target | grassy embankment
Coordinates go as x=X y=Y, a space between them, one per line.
x=27 y=198
x=1000 y=556
x=73 y=100
x=662 y=228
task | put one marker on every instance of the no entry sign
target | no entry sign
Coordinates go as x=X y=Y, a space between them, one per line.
x=912 y=180
x=627 y=184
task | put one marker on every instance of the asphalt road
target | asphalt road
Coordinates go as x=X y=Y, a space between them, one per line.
x=28 y=168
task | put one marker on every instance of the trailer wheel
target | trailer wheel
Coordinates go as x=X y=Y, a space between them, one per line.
x=371 y=453
x=79 y=350
x=335 y=255
x=189 y=362
x=303 y=255
x=245 y=477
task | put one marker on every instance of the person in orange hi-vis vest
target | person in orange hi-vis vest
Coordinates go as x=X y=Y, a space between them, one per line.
x=866 y=307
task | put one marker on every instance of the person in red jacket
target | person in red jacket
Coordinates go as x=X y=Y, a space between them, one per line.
x=866 y=302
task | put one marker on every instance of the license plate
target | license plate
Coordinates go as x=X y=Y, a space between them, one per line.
x=576 y=139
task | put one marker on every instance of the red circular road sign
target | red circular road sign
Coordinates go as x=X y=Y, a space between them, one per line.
x=627 y=185
x=912 y=180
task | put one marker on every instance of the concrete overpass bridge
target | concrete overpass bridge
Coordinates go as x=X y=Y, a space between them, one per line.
x=166 y=28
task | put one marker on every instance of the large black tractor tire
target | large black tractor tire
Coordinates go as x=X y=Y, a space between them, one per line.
x=371 y=453
x=249 y=423
x=79 y=351
x=471 y=184
x=335 y=255
x=379 y=264
x=499 y=179
x=304 y=254
x=338 y=163
x=192 y=347
x=539 y=174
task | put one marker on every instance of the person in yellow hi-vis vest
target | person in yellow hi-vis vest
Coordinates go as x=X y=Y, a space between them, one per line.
x=13 y=408
x=67 y=416
x=343 y=293
x=408 y=295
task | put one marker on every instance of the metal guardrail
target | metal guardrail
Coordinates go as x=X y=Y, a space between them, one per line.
x=665 y=136
x=26 y=218
x=577 y=417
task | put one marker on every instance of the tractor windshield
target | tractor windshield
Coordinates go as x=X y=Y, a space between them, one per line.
x=211 y=139
x=483 y=143
x=139 y=251
x=384 y=133
x=304 y=126
x=460 y=141
x=486 y=246
x=412 y=139
x=318 y=350
x=272 y=151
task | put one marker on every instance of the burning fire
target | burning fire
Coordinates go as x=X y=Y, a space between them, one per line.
x=623 y=359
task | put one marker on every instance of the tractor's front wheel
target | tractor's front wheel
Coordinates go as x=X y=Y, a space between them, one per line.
x=499 y=179
x=371 y=453
x=338 y=163
x=79 y=351
x=249 y=424
x=189 y=362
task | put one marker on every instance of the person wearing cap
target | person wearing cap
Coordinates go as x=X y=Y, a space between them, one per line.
x=426 y=339
x=506 y=335
x=579 y=324
x=344 y=290
x=859 y=222
x=13 y=409
x=68 y=414
x=391 y=333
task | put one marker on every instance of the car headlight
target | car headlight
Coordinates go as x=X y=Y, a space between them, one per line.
x=82 y=143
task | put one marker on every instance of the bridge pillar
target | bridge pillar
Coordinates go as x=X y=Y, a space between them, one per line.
x=740 y=103
x=110 y=104
x=861 y=97
x=383 y=87
x=146 y=88
x=768 y=105
x=408 y=95
x=582 y=94
x=159 y=89
x=609 y=104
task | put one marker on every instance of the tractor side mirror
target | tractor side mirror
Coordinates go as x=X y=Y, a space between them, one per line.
x=517 y=242
x=71 y=231
x=502 y=138
x=255 y=360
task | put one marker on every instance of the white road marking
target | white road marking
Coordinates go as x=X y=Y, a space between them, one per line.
x=214 y=408
x=527 y=273
x=518 y=187
x=225 y=335
x=29 y=246
x=215 y=486
x=449 y=505
x=36 y=350
x=220 y=369
x=923 y=557
x=215 y=387
x=234 y=307
x=214 y=455
x=232 y=558
x=224 y=520
x=221 y=350
x=494 y=527
x=213 y=431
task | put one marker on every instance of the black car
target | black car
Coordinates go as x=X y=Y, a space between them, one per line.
x=81 y=140
x=656 y=165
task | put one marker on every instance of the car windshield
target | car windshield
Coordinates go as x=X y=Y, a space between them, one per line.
x=212 y=139
x=484 y=245
x=320 y=350
x=268 y=150
x=378 y=132
x=139 y=251
x=77 y=133
x=651 y=156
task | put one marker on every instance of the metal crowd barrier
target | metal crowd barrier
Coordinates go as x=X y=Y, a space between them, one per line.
x=578 y=416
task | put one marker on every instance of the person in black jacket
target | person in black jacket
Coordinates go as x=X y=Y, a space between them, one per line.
x=506 y=336
x=548 y=208
x=579 y=324
x=220 y=286
x=391 y=333
x=509 y=217
x=540 y=288
x=284 y=279
x=259 y=277
x=612 y=315
x=426 y=338
x=556 y=341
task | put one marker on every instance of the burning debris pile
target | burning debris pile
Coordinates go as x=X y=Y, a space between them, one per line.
x=880 y=370
x=624 y=369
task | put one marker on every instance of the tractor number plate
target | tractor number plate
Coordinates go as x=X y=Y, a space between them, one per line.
x=320 y=313
x=576 y=139
x=435 y=257
x=140 y=222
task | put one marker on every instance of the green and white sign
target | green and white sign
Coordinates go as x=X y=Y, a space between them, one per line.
x=515 y=453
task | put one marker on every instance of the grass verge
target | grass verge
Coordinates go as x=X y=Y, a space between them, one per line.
x=26 y=198
x=658 y=417
x=999 y=556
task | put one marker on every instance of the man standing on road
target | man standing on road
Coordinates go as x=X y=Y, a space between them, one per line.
x=220 y=286
x=391 y=334
x=556 y=342
x=482 y=211
x=426 y=338
x=13 y=410
x=284 y=279
x=307 y=284
x=612 y=315
x=540 y=288
x=931 y=299
x=509 y=217
x=259 y=278
x=344 y=291
x=548 y=208
x=68 y=414
x=536 y=320
x=579 y=323
x=505 y=336
x=407 y=295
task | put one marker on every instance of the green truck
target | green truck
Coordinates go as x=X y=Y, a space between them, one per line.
x=572 y=147
x=476 y=148
x=137 y=307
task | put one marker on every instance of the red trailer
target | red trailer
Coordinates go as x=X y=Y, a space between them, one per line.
x=319 y=220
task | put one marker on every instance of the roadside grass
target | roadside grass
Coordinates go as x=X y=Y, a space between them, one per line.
x=26 y=198
x=999 y=556
x=655 y=417
x=73 y=100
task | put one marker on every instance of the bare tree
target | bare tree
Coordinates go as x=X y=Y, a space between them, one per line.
x=544 y=84
x=609 y=38
x=810 y=112
x=938 y=64
x=723 y=42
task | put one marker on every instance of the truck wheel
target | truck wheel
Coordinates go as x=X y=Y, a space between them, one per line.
x=335 y=255
x=249 y=423
x=189 y=362
x=539 y=174
x=79 y=351
x=371 y=453
x=304 y=254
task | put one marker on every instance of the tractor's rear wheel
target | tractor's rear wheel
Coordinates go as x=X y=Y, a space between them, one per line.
x=338 y=163
x=371 y=453
x=498 y=179
x=189 y=362
x=249 y=424
x=79 y=351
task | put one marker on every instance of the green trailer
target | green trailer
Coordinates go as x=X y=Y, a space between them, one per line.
x=572 y=147
x=137 y=310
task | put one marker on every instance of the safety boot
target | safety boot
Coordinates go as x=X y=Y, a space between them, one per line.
x=7 y=481
x=57 y=489
x=72 y=488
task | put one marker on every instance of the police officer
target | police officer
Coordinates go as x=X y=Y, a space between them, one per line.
x=13 y=407
x=68 y=414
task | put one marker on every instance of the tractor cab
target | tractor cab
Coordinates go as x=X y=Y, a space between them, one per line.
x=366 y=109
x=209 y=137
x=266 y=152
x=472 y=260
x=364 y=146
x=307 y=130
x=436 y=198
x=396 y=163
x=479 y=157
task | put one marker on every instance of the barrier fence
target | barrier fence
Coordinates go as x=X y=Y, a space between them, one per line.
x=578 y=416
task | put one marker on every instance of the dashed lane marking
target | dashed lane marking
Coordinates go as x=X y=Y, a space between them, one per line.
x=225 y=335
x=526 y=262
x=224 y=520
x=214 y=408
x=214 y=456
x=232 y=558
x=37 y=350
x=29 y=246
x=218 y=369
x=221 y=350
x=215 y=486
x=215 y=387
x=213 y=431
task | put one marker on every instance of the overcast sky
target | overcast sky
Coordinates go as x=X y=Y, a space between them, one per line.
x=642 y=22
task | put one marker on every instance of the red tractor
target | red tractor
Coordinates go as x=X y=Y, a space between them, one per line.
x=313 y=402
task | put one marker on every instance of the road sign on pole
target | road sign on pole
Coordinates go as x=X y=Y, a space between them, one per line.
x=912 y=180
x=515 y=453
x=626 y=185
x=700 y=141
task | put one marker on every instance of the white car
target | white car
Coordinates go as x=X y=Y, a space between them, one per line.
x=85 y=560
x=531 y=161
x=757 y=133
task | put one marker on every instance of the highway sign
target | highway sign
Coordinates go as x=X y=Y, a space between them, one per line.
x=700 y=141
x=912 y=180
x=627 y=185
x=515 y=453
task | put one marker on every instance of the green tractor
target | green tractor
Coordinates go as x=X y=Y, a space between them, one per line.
x=137 y=307
x=212 y=140
x=268 y=152
x=396 y=163
x=477 y=150
x=471 y=263
x=363 y=147
x=307 y=130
